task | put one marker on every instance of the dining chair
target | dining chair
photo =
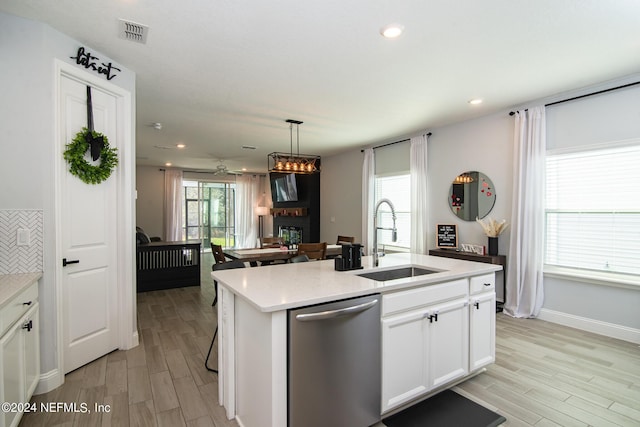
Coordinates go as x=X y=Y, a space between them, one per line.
x=218 y=254
x=271 y=242
x=236 y=263
x=219 y=258
x=313 y=250
x=220 y=266
x=345 y=239
x=300 y=258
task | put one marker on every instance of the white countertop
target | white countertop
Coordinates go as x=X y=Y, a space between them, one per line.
x=280 y=287
x=13 y=284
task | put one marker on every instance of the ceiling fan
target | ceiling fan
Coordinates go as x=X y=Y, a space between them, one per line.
x=221 y=169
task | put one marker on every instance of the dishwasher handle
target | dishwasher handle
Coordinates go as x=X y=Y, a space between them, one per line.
x=330 y=314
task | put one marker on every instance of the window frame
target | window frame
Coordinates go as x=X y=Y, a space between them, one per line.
x=594 y=276
x=394 y=247
x=229 y=229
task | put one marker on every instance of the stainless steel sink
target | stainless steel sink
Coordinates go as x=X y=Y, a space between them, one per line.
x=397 y=273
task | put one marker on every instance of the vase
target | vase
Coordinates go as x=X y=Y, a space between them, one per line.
x=493 y=246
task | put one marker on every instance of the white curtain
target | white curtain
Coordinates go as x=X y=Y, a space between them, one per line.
x=419 y=194
x=524 y=277
x=173 y=201
x=368 y=187
x=247 y=199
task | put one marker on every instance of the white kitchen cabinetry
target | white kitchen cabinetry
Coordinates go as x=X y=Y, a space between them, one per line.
x=482 y=321
x=425 y=340
x=20 y=352
x=416 y=353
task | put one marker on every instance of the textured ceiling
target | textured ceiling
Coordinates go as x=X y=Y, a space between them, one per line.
x=220 y=74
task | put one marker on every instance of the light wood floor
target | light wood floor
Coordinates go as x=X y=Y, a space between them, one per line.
x=550 y=375
x=545 y=374
x=163 y=381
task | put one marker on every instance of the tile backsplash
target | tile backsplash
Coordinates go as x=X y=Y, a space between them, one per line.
x=25 y=258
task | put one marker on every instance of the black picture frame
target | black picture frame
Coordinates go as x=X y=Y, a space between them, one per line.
x=447 y=236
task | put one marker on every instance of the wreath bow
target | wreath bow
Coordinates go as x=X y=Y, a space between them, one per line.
x=96 y=142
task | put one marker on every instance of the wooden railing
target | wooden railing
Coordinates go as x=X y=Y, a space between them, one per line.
x=165 y=265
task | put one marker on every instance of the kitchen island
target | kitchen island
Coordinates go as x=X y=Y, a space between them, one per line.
x=253 y=340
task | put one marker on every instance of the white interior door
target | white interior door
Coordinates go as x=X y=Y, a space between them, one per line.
x=88 y=235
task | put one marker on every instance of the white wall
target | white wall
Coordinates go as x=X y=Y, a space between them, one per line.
x=482 y=145
x=150 y=200
x=485 y=145
x=27 y=53
x=341 y=197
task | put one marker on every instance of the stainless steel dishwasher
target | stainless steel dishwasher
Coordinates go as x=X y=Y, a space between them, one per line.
x=334 y=364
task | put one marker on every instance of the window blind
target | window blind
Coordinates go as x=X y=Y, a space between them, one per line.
x=593 y=209
x=397 y=189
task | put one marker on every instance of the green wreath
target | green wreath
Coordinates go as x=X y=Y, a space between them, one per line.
x=78 y=166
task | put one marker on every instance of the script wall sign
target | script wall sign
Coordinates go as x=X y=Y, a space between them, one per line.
x=89 y=62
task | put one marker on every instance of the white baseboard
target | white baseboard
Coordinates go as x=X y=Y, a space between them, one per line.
x=134 y=341
x=596 y=326
x=53 y=379
x=49 y=381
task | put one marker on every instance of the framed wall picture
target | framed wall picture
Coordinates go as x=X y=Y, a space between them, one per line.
x=447 y=236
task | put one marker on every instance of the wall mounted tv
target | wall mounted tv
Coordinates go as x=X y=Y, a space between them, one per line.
x=284 y=188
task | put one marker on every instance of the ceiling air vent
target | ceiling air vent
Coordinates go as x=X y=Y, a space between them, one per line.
x=132 y=31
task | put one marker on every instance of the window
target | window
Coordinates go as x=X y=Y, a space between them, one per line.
x=593 y=209
x=396 y=188
x=208 y=213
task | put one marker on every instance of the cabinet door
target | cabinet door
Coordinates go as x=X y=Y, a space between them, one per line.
x=12 y=371
x=448 y=342
x=482 y=319
x=404 y=371
x=31 y=332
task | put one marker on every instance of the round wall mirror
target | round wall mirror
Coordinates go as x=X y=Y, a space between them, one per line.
x=471 y=195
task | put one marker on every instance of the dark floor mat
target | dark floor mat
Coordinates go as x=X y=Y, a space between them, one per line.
x=445 y=409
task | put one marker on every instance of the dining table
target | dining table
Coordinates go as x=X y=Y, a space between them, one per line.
x=263 y=255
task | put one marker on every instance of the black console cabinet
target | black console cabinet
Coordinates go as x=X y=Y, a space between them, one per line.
x=487 y=259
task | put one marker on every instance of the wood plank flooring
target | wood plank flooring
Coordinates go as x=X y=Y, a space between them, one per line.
x=545 y=374
x=163 y=381
x=550 y=375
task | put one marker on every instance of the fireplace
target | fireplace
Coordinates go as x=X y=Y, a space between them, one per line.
x=291 y=235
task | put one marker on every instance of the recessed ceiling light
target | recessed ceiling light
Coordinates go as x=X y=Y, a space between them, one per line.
x=244 y=169
x=180 y=145
x=392 y=31
x=475 y=101
x=168 y=164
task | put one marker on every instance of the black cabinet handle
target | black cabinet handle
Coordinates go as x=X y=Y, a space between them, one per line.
x=487 y=284
x=477 y=305
x=27 y=303
x=28 y=326
x=65 y=262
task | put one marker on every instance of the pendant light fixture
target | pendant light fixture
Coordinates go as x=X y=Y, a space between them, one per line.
x=290 y=162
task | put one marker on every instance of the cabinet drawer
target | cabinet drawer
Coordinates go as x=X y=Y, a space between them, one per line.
x=484 y=283
x=417 y=297
x=18 y=306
